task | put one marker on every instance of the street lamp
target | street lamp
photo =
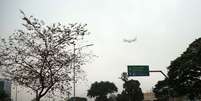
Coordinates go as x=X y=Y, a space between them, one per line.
x=74 y=49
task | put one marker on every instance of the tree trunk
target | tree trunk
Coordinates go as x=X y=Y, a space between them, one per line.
x=37 y=97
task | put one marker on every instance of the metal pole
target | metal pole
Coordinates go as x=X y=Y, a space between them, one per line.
x=74 y=74
x=160 y=72
x=16 y=92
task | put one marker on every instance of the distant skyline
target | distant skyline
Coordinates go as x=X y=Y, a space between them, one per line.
x=163 y=28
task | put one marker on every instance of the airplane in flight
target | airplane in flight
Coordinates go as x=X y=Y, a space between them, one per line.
x=129 y=40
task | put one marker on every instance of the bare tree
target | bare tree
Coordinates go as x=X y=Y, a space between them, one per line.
x=39 y=56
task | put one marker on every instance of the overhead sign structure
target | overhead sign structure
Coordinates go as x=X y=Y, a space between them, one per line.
x=138 y=70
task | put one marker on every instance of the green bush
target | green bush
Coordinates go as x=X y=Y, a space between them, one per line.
x=77 y=99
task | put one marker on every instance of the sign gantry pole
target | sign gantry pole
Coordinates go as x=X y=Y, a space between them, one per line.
x=159 y=72
x=143 y=70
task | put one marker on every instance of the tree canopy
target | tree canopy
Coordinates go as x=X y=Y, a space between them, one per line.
x=101 y=89
x=39 y=56
x=4 y=96
x=131 y=91
x=161 y=90
x=185 y=72
x=77 y=99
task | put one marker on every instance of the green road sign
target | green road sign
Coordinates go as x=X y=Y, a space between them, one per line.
x=138 y=70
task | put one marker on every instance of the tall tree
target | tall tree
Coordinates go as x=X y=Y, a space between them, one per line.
x=39 y=56
x=184 y=73
x=131 y=91
x=161 y=90
x=101 y=89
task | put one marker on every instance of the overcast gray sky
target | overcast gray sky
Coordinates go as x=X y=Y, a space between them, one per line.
x=164 y=29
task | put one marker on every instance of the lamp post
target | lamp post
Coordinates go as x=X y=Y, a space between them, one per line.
x=74 y=74
x=16 y=90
